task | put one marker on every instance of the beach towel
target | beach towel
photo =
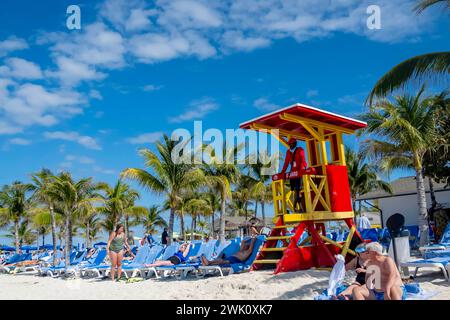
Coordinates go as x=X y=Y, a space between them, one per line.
x=337 y=275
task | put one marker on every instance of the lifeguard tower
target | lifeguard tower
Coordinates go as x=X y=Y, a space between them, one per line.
x=325 y=194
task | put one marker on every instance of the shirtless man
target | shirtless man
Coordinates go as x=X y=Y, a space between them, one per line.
x=383 y=281
x=244 y=252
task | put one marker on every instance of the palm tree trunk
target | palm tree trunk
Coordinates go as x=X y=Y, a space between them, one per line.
x=212 y=224
x=43 y=239
x=263 y=213
x=222 y=220
x=192 y=228
x=183 y=233
x=432 y=194
x=256 y=208
x=70 y=234
x=88 y=235
x=67 y=240
x=54 y=237
x=422 y=202
x=171 y=222
x=16 y=235
x=126 y=226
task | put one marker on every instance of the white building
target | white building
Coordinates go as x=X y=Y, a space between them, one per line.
x=404 y=199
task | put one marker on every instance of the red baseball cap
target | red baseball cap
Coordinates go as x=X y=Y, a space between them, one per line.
x=292 y=140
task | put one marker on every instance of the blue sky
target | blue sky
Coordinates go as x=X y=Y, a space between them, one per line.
x=86 y=100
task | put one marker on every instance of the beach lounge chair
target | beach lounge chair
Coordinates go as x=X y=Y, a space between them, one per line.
x=168 y=252
x=181 y=270
x=75 y=258
x=439 y=263
x=444 y=243
x=235 y=267
x=11 y=264
x=94 y=267
x=134 y=266
x=447 y=267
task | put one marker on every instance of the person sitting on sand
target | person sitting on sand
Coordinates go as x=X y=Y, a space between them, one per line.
x=383 y=281
x=174 y=260
x=244 y=252
x=356 y=264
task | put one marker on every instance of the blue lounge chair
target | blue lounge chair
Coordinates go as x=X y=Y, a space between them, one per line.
x=439 y=262
x=168 y=252
x=447 y=267
x=192 y=261
x=92 y=267
x=75 y=258
x=369 y=234
x=235 y=267
x=444 y=243
x=138 y=262
x=16 y=259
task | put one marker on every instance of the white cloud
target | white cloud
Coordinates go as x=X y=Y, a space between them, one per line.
x=312 y=93
x=264 y=105
x=19 y=141
x=237 y=41
x=95 y=46
x=129 y=15
x=79 y=159
x=197 y=110
x=156 y=47
x=95 y=94
x=70 y=72
x=23 y=105
x=145 y=138
x=20 y=69
x=73 y=136
x=102 y=170
x=189 y=14
x=12 y=44
x=151 y=87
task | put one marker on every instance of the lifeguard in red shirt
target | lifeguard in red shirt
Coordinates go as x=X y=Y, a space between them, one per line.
x=295 y=157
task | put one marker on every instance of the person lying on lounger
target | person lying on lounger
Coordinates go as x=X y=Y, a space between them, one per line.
x=244 y=252
x=383 y=281
x=174 y=260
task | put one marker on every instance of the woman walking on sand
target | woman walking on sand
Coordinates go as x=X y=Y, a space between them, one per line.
x=115 y=248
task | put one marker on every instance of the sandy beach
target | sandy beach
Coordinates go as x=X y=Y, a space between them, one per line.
x=300 y=285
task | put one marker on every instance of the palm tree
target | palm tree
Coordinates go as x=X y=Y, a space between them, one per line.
x=430 y=65
x=153 y=220
x=362 y=175
x=14 y=203
x=406 y=126
x=197 y=207
x=42 y=221
x=41 y=182
x=117 y=203
x=181 y=210
x=23 y=234
x=219 y=176
x=167 y=177
x=425 y=4
x=202 y=224
x=437 y=156
x=214 y=203
x=72 y=197
x=90 y=222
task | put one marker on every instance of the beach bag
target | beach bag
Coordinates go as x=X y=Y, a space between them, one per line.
x=337 y=275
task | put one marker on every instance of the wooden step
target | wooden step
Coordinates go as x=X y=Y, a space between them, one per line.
x=273 y=249
x=278 y=238
x=267 y=261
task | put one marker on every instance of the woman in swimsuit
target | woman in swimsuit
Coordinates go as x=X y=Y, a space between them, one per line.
x=356 y=264
x=115 y=249
x=177 y=258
